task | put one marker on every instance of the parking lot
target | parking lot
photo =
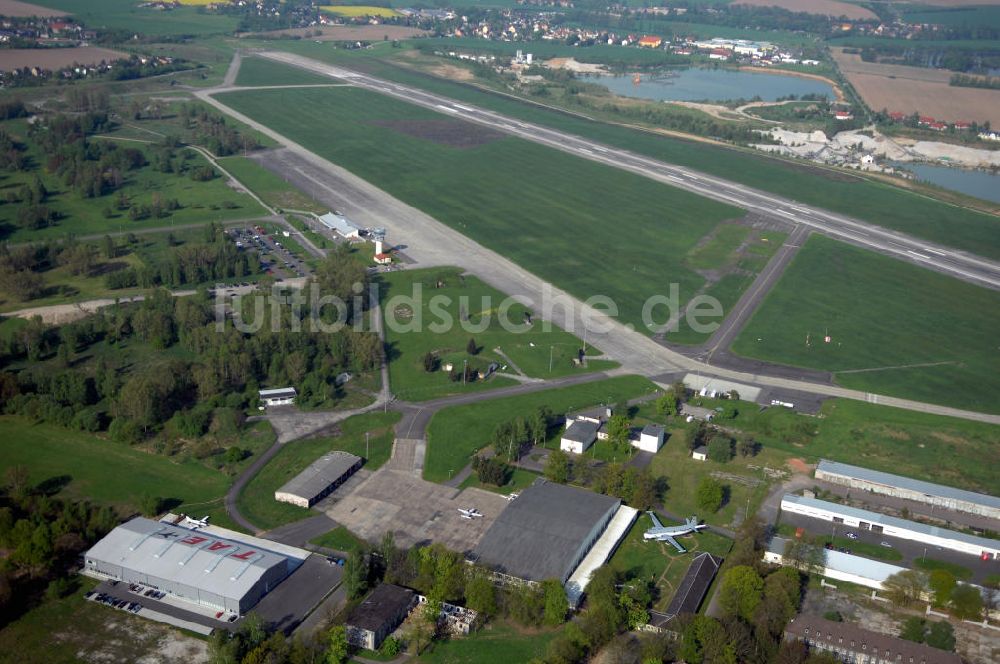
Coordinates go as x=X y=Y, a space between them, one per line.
x=911 y=550
x=274 y=257
x=416 y=511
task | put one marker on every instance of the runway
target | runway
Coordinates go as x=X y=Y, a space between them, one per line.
x=933 y=256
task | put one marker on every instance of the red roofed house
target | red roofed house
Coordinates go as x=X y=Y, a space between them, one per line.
x=926 y=120
x=718 y=54
x=843 y=115
x=383 y=259
x=896 y=116
x=962 y=124
x=938 y=126
x=650 y=41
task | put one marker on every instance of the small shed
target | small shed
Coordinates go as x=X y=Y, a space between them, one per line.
x=650 y=438
x=700 y=453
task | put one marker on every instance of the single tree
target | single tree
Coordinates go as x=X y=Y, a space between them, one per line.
x=720 y=448
x=966 y=602
x=741 y=591
x=557 y=466
x=941 y=583
x=337 y=649
x=914 y=629
x=556 y=604
x=709 y=494
x=941 y=635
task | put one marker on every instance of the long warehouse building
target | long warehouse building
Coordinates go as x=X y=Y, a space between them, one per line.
x=192 y=565
x=891 y=526
x=918 y=491
x=319 y=480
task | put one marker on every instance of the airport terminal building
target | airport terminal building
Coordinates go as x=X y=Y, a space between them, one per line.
x=195 y=566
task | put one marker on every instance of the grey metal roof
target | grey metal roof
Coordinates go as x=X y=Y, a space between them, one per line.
x=320 y=474
x=383 y=604
x=540 y=531
x=339 y=223
x=890 y=480
x=692 y=588
x=278 y=392
x=847 y=563
x=652 y=429
x=885 y=520
x=199 y=559
x=581 y=431
x=842 y=635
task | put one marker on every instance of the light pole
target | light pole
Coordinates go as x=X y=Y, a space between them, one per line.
x=551 y=347
x=367 y=454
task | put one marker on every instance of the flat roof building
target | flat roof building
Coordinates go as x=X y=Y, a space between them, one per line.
x=849 y=643
x=379 y=615
x=545 y=532
x=319 y=480
x=910 y=489
x=195 y=566
x=341 y=224
x=891 y=526
x=280 y=396
x=650 y=438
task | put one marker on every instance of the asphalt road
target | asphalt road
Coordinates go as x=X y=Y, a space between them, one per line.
x=920 y=252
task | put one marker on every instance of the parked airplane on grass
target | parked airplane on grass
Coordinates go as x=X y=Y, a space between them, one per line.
x=662 y=533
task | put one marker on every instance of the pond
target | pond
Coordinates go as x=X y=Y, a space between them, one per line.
x=709 y=84
x=981 y=184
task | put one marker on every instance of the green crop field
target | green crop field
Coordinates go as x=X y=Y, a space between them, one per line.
x=568 y=214
x=258 y=71
x=894 y=328
x=454 y=434
x=106 y=472
x=256 y=502
x=438 y=310
x=127 y=15
x=927 y=447
x=978 y=16
x=851 y=194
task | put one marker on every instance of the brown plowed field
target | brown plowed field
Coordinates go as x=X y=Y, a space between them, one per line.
x=822 y=7
x=55 y=58
x=15 y=8
x=917 y=90
x=369 y=33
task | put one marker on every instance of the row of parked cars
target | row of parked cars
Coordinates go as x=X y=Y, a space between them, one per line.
x=114 y=602
x=146 y=592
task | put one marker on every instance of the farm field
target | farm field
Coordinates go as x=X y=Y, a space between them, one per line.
x=358 y=10
x=899 y=88
x=26 y=9
x=915 y=334
x=56 y=58
x=445 y=295
x=257 y=502
x=410 y=152
x=979 y=15
x=127 y=15
x=855 y=195
x=638 y=559
x=106 y=472
x=455 y=433
x=927 y=447
x=833 y=8
x=371 y=33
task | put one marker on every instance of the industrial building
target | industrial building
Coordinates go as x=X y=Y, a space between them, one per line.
x=341 y=225
x=891 y=526
x=918 y=491
x=319 y=480
x=379 y=615
x=839 y=566
x=280 y=396
x=849 y=643
x=195 y=566
x=545 y=532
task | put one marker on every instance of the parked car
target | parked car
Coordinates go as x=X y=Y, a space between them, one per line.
x=885 y=544
x=852 y=536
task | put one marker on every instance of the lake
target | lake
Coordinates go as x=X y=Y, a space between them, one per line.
x=981 y=184
x=701 y=84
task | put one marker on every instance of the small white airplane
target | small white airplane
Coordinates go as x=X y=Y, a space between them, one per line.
x=471 y=513
x=662 y=533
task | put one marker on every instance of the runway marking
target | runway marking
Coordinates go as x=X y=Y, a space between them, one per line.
x=918 y=256
x=935 y=251
x=447 y=108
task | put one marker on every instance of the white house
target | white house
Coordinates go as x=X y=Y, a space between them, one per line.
x=700 y=453
x=282 y=396
x=650 y=438
x=579 y=436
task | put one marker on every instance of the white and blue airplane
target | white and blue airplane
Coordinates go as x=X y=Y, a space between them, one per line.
x=662 y=533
